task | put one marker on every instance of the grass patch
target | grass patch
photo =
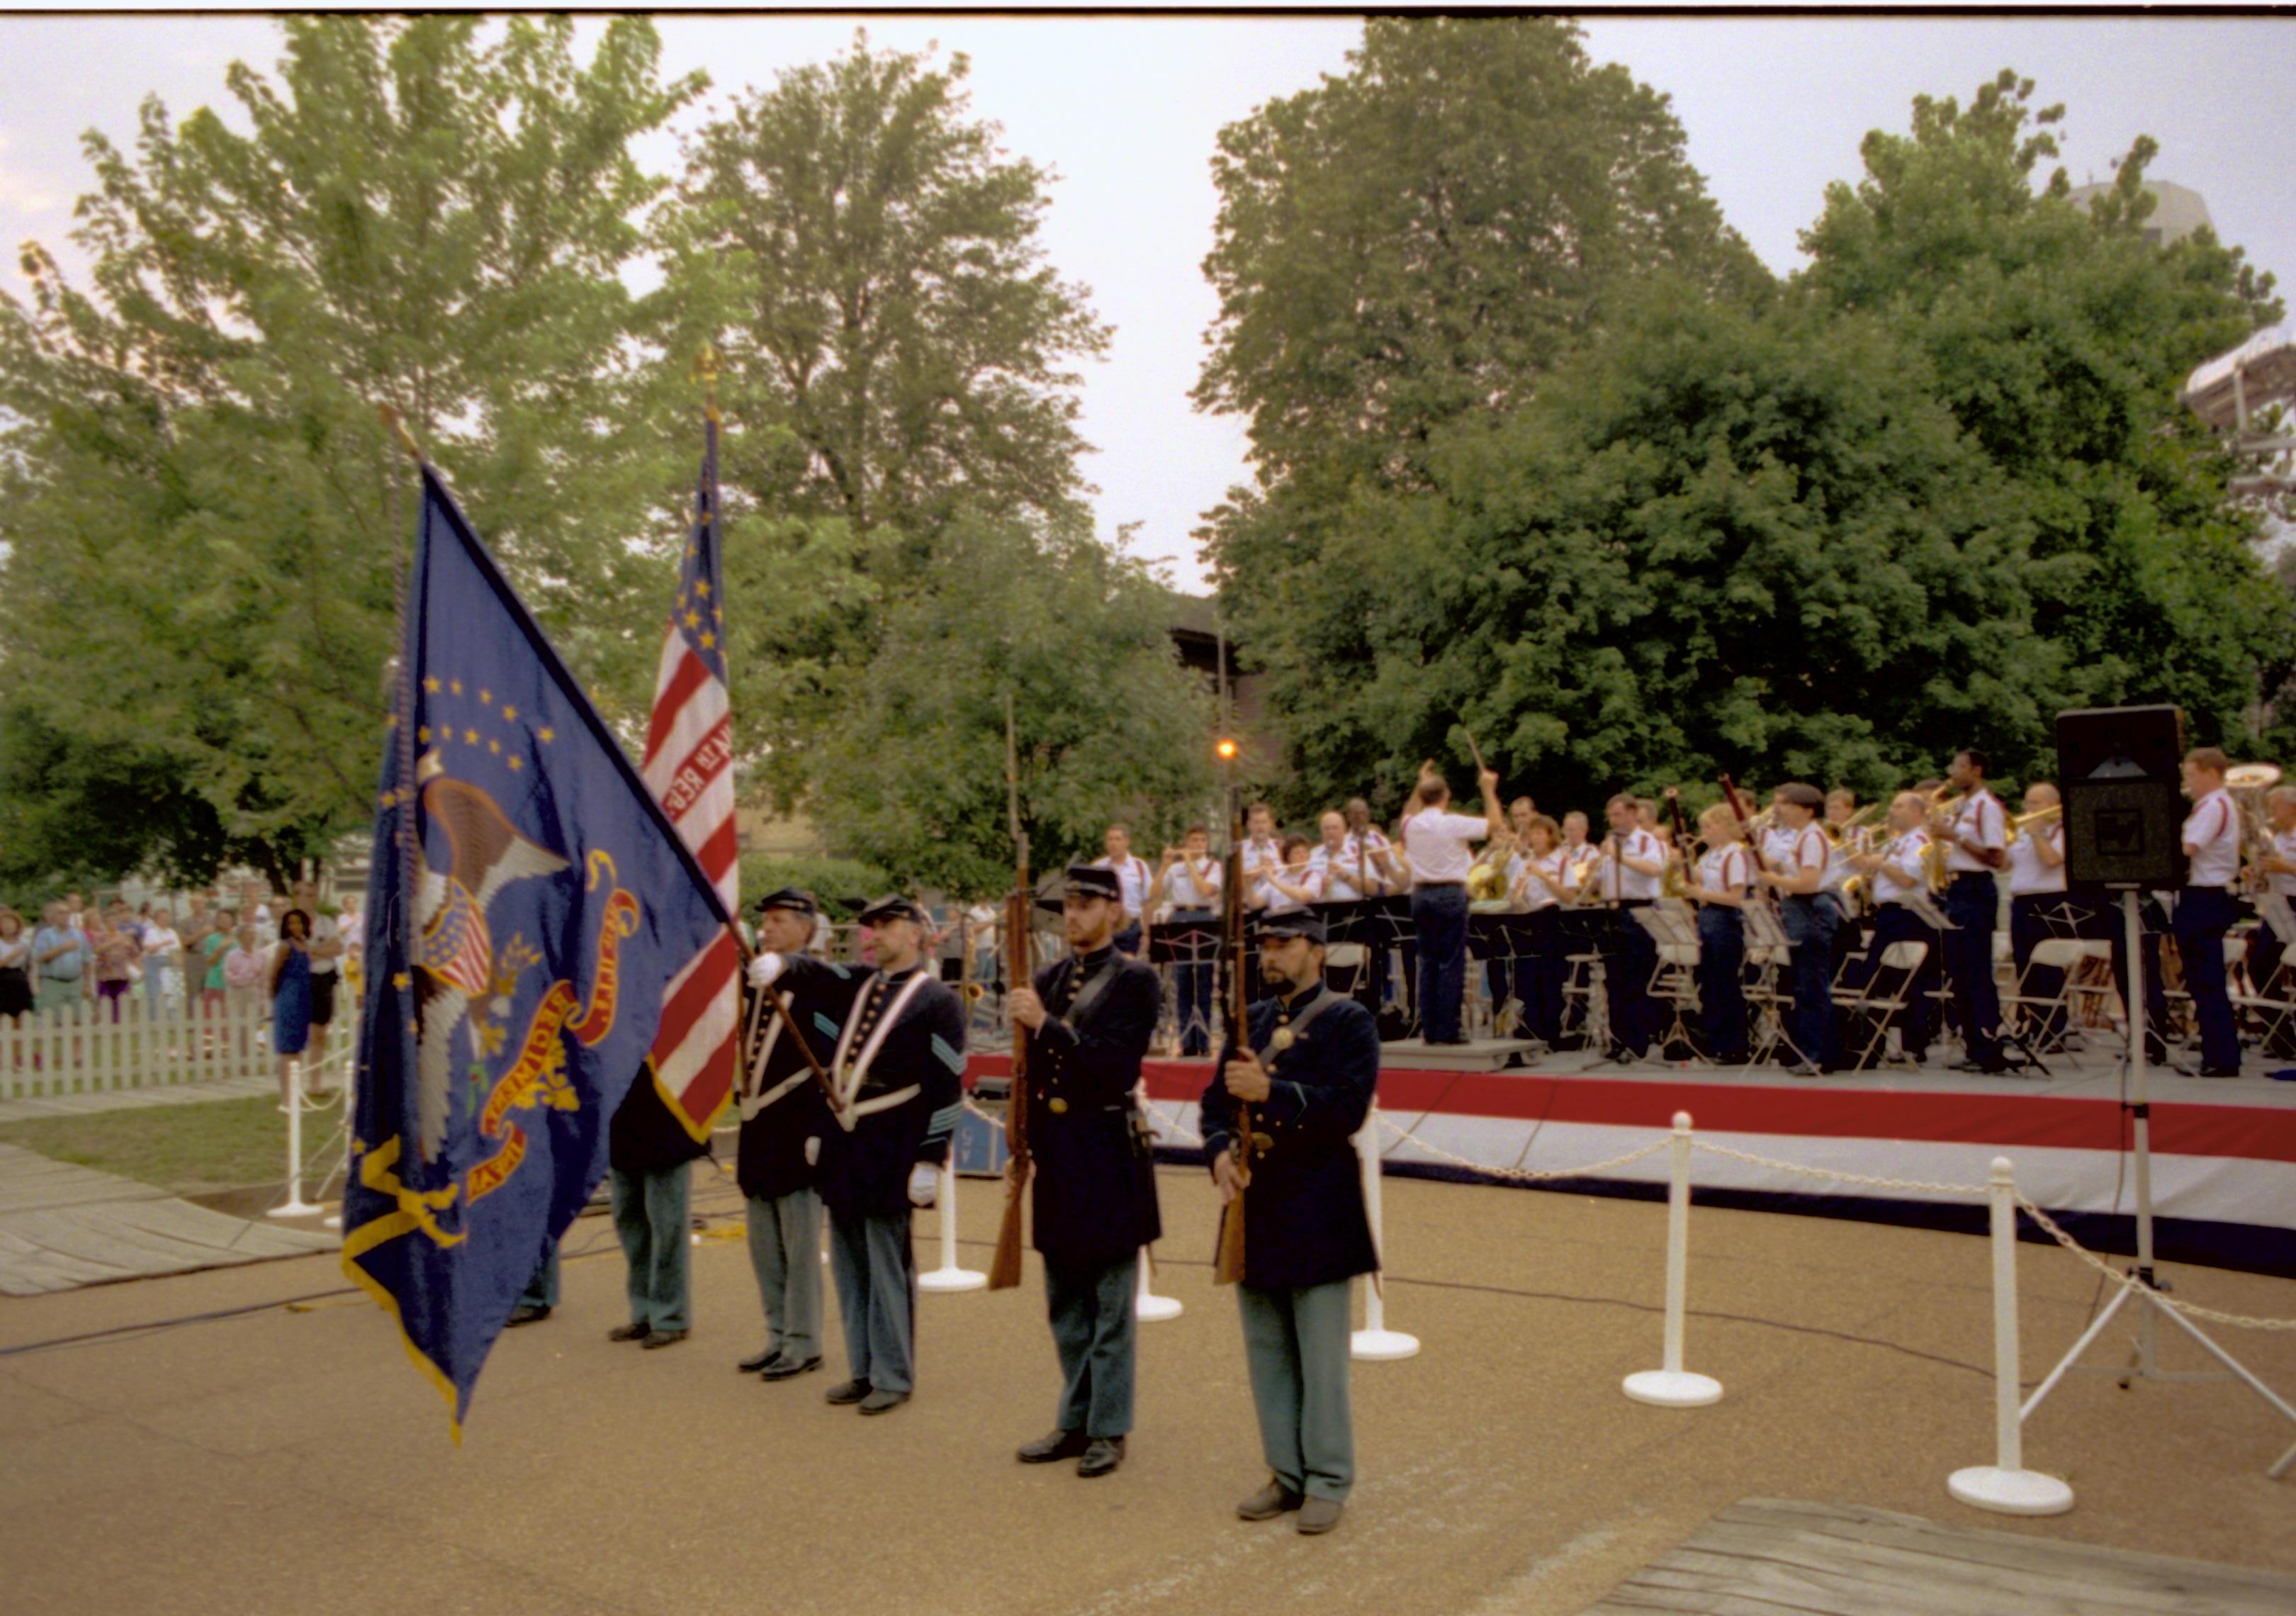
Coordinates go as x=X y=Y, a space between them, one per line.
x=186 y=1150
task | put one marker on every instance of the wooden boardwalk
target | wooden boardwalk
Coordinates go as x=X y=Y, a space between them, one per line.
x=62 y=1227
x=1767 y=1557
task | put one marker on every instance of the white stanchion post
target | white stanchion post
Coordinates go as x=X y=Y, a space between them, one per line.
x=948 y=1277
x=1671 y=1386
x=1147 y=1306
x=1375 y=1342
x=295 y=1206
x=2006 y=1486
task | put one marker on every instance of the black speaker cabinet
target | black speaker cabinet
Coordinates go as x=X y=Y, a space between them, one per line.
x=2124 y=805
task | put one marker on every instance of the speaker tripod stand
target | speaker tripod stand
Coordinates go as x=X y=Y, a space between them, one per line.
x=2148 y=1291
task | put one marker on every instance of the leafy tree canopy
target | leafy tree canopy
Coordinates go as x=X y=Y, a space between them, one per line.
x=196 y=495
x=1923 y=496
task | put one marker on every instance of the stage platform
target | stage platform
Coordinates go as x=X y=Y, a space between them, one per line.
x=2224 y=1149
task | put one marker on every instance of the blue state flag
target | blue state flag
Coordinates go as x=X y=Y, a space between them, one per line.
x=528 y=906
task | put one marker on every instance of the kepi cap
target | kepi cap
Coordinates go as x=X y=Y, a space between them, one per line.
x=789 y=897
x=1295 y=923
x=893 y=907
x=1085 y=881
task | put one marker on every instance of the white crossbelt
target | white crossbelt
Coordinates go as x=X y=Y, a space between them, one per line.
x=847 y=1079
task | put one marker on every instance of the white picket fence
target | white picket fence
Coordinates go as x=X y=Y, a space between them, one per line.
x=83 y=1050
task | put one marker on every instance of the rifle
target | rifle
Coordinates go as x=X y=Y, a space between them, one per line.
x=1005 y=1269
x=1227 y=1267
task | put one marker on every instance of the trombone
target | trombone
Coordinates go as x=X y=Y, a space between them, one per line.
x=2038 y=816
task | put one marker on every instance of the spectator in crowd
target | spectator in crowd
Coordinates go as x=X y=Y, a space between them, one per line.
x=60 y=959
x=118 y=956
x=163 y=949
x=325 y=951
x=242 y=979
x=287 y=984
x=350 y=929
x=15 y=967
x=215 y=934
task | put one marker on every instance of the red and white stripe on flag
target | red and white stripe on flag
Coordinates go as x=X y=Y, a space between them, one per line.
x=689 y=757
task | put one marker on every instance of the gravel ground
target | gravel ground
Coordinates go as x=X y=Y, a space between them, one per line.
x=289 y=1460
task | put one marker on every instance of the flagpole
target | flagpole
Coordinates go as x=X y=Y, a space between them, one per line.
x=410 y=845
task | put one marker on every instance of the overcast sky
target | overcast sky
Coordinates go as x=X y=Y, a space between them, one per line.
x=1126 y=110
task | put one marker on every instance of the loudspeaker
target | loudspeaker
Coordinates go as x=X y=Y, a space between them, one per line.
x=2118 y=767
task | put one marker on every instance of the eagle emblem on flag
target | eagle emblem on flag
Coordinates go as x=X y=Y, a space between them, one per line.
x=454 y=953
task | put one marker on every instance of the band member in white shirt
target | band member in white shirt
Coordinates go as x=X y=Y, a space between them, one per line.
x=1894 y=872
x=1976 y=837
x=1133 y=874
x=1633 y=861
x=1190 y=881
x=1440 y=845
x=1540 y=886
x=2208 y=906
x=2039 y=908
x=2265 y=951
x=1292 y=881
x=1796 y=872
x=1334 y=863
x=1723 y=879
x=1371 y=855
x=1262 y=852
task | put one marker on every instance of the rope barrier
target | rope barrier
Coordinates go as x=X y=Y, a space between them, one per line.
x=1525 y=1175
x=1171 y=1128
x=1834 y=1175
x=2056 y=1232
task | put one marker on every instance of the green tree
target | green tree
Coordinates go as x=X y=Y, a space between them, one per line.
x=909 y=535
x=2058 y=337
x=1109 y=723
x=196 y=495
x=1931 y=492
x=1414 y=243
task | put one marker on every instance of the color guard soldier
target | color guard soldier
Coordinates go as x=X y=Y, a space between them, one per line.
x=1309 y=1072
x=648 y=1158
x=897 y=1072
x=1088 y=1021
x=785 y=1122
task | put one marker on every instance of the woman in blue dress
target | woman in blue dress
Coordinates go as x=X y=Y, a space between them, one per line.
x=291 y=995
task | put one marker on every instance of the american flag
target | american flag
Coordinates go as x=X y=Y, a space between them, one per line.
x=689 y=756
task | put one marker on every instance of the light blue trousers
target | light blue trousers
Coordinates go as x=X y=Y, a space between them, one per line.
x=877 y=1297
x=785 y=1251
x=650 y=1215
x=1095 y=1335
x=1295 y=1344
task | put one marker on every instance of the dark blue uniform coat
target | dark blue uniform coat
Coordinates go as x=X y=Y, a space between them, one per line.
x=865 y=1170
x=771 y=1160
x=1304 y=1219
x=1095 y=1197
x=644 y=1137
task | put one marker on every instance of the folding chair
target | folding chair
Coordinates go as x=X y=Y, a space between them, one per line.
x=2036 y=1011
x=1884 y=996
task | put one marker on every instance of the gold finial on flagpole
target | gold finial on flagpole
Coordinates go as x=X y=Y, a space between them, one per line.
x=705 y=372
x=397 y=423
